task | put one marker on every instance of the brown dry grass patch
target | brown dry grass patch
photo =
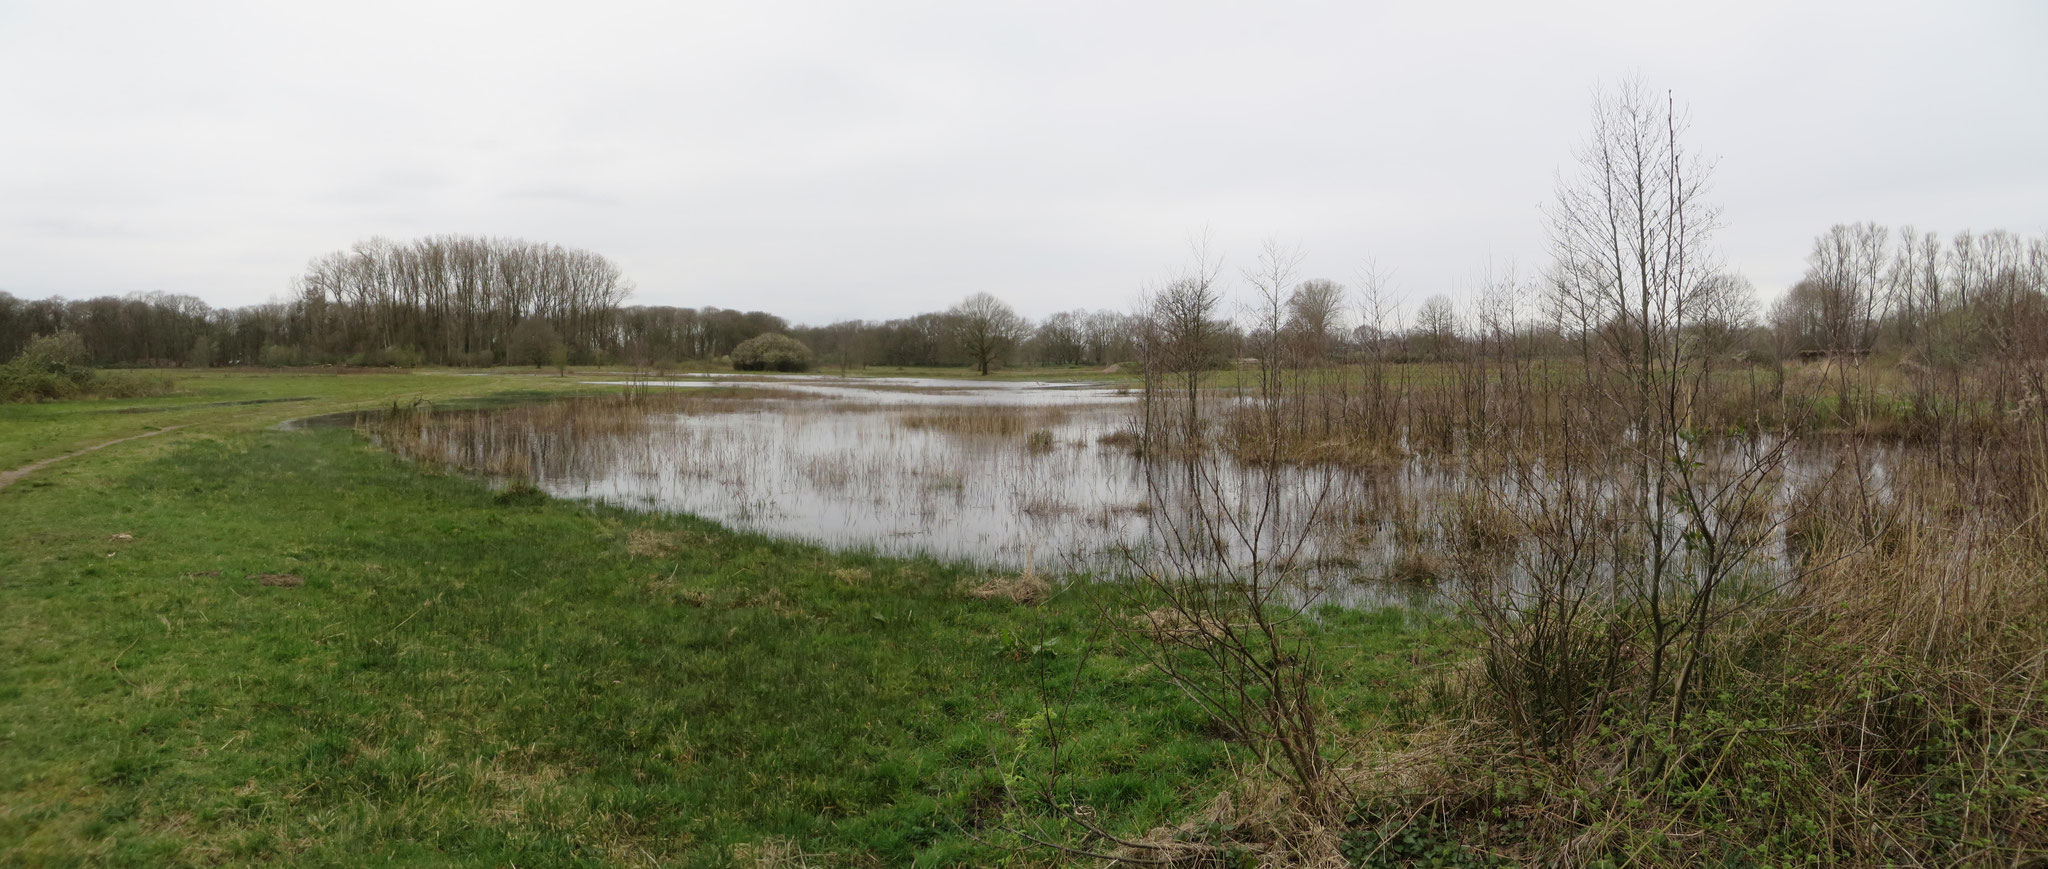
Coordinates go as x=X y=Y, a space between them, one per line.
x=651 y=543
x=1167 y=623
x=1026 y=589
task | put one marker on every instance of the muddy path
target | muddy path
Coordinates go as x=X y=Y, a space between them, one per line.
x=7 y=478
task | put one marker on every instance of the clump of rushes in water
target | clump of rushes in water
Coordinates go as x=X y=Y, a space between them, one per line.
x=1123 y=439
x=997 y=421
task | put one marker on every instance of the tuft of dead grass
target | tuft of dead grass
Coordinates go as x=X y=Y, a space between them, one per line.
x=1026 y=589
x=652 y=543
x=1167 y=623
x=784 y=853
x=1418 y=567
x=1123 y=439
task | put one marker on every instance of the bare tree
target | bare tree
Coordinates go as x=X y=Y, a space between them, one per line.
x=1180 y=336
x=1631 y=232
x=986 y=329
x=1315 y=315
x=1227 y=571
x=1061 y=339
x=1436 y=326
x=456 y=299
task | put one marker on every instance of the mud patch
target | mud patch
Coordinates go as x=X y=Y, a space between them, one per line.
x=279 y=580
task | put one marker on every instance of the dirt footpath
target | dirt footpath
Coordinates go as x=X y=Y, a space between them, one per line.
x=7 y=478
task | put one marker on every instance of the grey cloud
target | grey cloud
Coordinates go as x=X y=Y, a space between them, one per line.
x=829 y=160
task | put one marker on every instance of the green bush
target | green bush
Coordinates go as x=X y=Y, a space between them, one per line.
x=532 y=343
x=202 y=353
x=279 y=356
x=50 y=367
x=772 y=351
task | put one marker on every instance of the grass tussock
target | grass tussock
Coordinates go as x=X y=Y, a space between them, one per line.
x=1123 y=439
x=655 y=543
x=1025 y=589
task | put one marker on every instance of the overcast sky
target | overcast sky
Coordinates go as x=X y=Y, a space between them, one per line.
x=875 y=159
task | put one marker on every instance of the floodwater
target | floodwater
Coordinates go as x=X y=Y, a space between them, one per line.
x=1013 y=475
x=904 y=390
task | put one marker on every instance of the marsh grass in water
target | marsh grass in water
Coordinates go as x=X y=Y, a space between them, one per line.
x=1059 y=486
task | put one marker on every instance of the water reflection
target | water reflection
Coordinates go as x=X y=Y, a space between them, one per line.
x=1015 y=475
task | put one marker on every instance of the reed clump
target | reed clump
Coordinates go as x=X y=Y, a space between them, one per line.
x=1730 y=607
x=1885 y=710
x=1123 y=439
x=533 y=443
x=988 y=421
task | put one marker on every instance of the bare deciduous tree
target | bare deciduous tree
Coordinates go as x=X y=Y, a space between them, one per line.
x=1436 y=326
x=986 y=329
x=1315 y=317
x=1654 y=540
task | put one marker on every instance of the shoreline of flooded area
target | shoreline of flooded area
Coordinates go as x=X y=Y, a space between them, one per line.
x=902 y=390
x=1017 y=476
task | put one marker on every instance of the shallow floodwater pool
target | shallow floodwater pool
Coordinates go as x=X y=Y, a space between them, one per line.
x=1013 y=475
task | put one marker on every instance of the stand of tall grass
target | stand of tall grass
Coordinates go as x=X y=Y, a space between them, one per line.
x=1712 y=656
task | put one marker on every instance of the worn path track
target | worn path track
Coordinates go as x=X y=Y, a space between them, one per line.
x=7 y=478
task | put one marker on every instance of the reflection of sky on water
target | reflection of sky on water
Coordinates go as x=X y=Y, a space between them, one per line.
x=905 y=390
x=859 y=478
x=843 y=466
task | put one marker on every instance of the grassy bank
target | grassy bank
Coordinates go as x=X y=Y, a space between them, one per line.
x=225 y=400
x=436 y=673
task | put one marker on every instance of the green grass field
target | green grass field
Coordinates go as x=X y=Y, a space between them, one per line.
x=466 y=678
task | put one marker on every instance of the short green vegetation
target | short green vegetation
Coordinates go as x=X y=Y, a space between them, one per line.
x=222 y=400
x=235 y=645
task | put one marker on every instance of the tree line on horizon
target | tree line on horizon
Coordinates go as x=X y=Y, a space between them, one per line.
x=465 y=301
